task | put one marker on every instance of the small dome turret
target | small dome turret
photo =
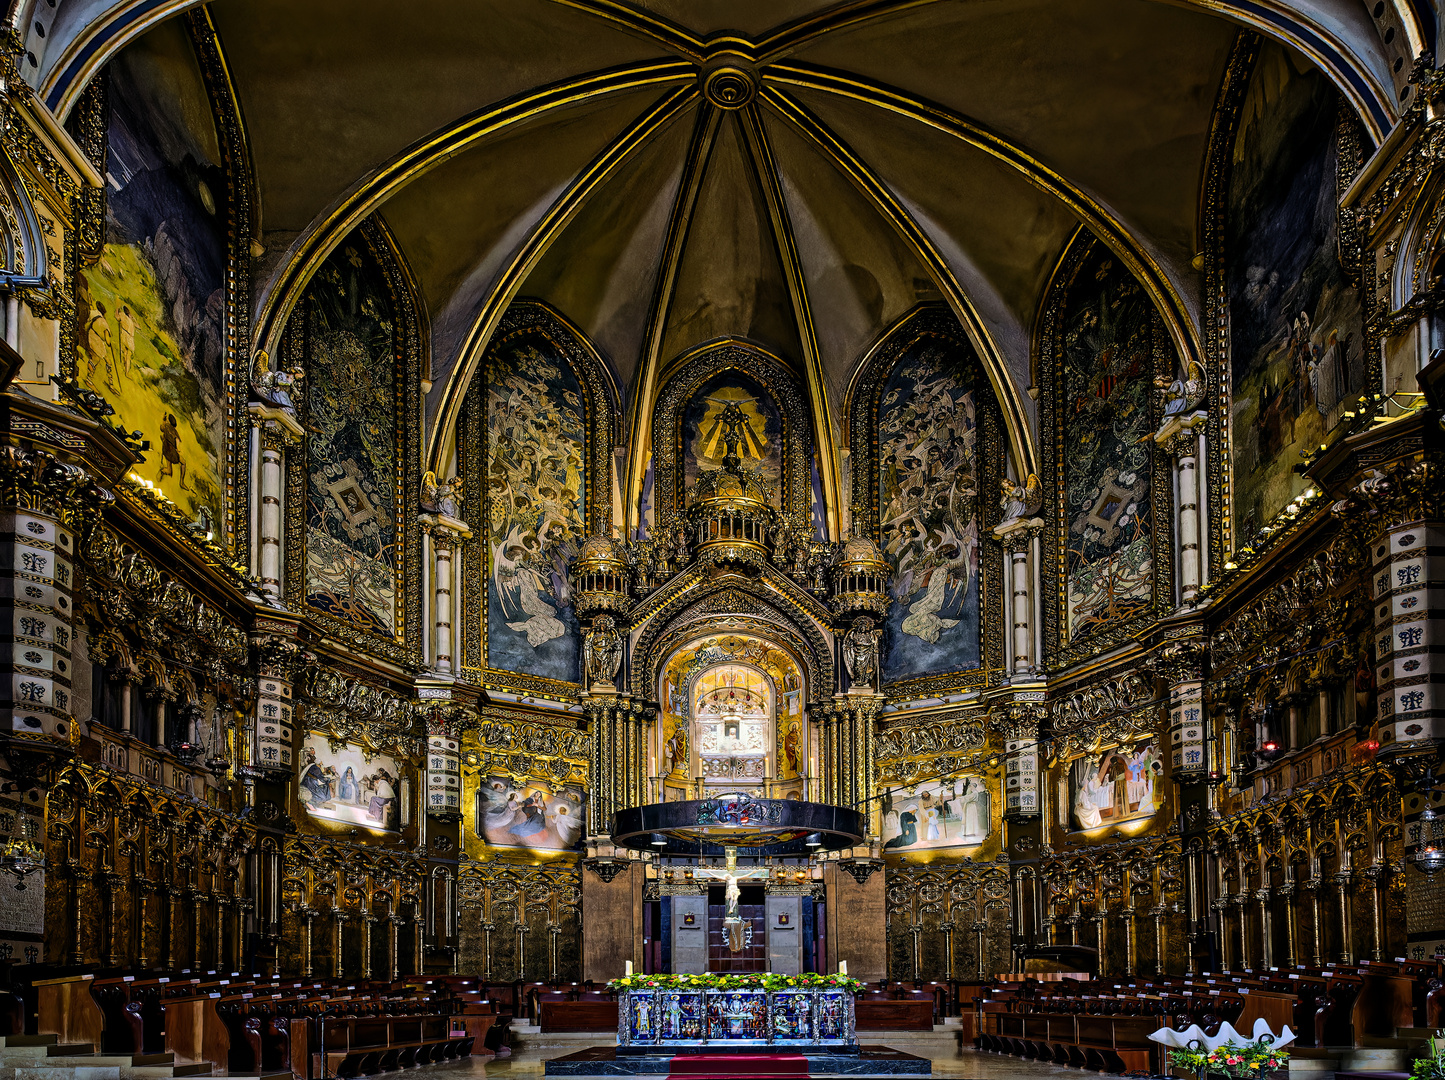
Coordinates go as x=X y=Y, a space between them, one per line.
x=860 y=579
x=601 y=578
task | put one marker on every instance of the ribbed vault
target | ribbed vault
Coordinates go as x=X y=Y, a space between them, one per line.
x=795 y=173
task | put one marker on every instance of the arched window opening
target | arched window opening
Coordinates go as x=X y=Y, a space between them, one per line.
x=733 y=707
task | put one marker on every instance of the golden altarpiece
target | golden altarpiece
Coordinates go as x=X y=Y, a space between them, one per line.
x=376 y=661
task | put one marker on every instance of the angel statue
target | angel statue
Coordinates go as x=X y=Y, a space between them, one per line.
x=1183 y=396
x=602 y=652
x=860 y=654
x=274 y=386
x=1020 y=500
x=440 y=496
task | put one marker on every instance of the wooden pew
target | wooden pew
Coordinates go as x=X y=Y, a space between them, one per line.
x=557 y=1016
x=65 y=1008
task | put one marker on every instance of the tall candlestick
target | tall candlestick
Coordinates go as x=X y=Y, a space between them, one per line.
x=629 y=967
x=842 y=967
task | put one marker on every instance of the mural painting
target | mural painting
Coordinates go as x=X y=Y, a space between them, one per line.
x=1120 y=784
x=732 y=402
x=536 y=497
x=940 y=813
x=533 y=814
x=1297 y=341
x=352 y=419
x=347 y=786
x=151 y=309
x=1106 y=341
x=928 y=508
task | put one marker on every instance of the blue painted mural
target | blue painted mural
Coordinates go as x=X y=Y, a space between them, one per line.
x=536 y=497
x=928 y=507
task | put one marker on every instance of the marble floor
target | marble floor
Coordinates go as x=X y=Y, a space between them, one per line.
x=970 y=1064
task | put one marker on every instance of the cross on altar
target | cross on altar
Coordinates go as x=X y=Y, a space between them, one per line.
x=731 y=875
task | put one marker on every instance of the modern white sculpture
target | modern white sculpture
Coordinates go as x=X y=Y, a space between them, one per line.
x=1186 y=1039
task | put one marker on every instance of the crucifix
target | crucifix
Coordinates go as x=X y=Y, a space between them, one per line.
x=730 y=875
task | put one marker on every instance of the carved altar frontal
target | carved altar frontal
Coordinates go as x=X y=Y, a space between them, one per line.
x=662 y=1021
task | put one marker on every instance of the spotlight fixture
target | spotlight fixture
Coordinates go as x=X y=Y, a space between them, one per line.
x=814 y=840
x=658 y=840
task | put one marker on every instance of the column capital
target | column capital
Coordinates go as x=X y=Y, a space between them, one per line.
x=1016 y=534
x=1178 y=436
x=445 y=531
x=278 y=426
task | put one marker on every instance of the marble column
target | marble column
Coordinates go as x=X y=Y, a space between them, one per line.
x=1018 y=535
x=1182 y=438
x=276 y=430
x=447 y=534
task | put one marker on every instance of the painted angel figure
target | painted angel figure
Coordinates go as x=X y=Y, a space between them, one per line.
x=1020 y=500
x=519 y=585
x=274 y=386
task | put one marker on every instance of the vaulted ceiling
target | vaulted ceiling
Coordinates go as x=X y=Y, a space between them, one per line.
x=800 y=173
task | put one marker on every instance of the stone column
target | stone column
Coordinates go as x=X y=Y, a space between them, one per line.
x=1017 y=536
x=1181 y=662
x=447 y=534
x=443 y=768
x=277 y=430
x=1409 y=568
x=1020 y=728
x=1181 y=438
x=45 y=501
x=276 y=657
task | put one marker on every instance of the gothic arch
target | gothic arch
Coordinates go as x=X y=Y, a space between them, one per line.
x=797 y=627
x=535 y=324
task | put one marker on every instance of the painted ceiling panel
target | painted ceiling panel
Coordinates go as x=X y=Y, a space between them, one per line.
x=1114 y=94
x=750 y=17
x=458 y=224
x=730 y=282
x=1007 y=230
x=328 y=99
x=861 y=275
x=603 y=272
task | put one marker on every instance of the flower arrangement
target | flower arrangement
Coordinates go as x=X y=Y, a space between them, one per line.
x=1432 y=1066
x=756 y=981
x=1242 y=1062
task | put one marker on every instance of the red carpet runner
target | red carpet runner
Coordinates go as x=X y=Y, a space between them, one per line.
x=729 y=1066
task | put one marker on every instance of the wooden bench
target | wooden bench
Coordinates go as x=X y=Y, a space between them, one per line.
x=895 y=1015
x=558 y=1016
x=348 y=1046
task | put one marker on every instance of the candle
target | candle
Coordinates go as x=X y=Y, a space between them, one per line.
x=842 y=967
x=629 y=968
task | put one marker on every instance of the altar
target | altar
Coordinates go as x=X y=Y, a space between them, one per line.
x=657 y=1021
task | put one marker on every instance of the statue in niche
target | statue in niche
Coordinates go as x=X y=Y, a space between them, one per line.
x=860 y=654
x=1020 y=500
x=274 y=387
x=602 y=651
x=440 y=496
x=681 y=550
